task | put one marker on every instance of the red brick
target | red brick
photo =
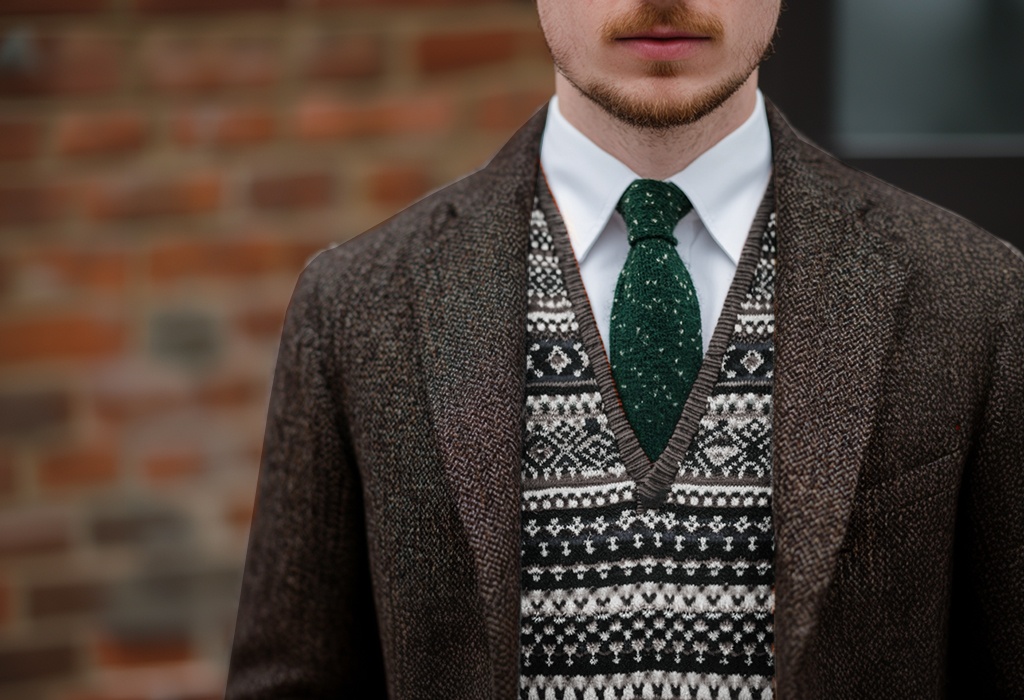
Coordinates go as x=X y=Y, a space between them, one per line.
x=6 y=602
x=318 y=118
x=69 y=64
x=136 y=393
x=186 y=680
x=19 y=140
x=445 y=52
x=145 y=651
x=346 y=57
x=533 y=45
x=303 y=191
x=49 y=7
x=174 y=465
x=132 y=199
x=510 y=110
x=398 y=184
x=78 y=270
x=224 y=127
x=100 y=134
x=22 y=665
x=261 y=324
x=232 y=393
x=238 y=258
x=66 y=599
x=79 y=467
x=7 y=477
x=206 y=6
x=188 y=64
x=30 y=532
x=120 y=406
x=33 y=203
x=70 y=337
x=240 y=513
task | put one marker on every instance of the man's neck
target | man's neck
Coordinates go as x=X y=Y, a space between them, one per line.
x=655 y=154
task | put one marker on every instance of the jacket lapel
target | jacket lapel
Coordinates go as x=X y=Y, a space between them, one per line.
x=838 y=287
x=471 y=308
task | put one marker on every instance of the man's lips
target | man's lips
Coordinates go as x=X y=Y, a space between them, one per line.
x=663 y=44
x=662 y=33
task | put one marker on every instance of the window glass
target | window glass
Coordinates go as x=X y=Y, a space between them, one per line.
x=942 y=77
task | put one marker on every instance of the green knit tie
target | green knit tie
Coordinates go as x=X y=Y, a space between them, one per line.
x=655 y=340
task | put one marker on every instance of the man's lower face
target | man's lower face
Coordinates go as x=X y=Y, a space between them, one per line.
x=658 y=65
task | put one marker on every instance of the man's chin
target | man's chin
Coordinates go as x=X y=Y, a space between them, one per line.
x=660 y=113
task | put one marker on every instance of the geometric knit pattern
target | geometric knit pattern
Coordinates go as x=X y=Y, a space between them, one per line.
x=672 y=602
x=655 y=336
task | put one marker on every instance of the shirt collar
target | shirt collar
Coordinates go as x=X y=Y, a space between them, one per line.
x=587 y=182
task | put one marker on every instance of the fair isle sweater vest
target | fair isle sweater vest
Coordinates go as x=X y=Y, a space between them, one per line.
x=640 y=580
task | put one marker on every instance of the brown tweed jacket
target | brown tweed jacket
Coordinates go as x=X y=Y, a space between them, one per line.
x=384 y=557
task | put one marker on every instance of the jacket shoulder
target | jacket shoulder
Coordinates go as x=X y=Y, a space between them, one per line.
x=374 y=274
x=384 y=250
x=387 y=246
x=932 y=241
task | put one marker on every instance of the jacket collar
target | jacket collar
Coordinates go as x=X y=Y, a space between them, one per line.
x=837 y=288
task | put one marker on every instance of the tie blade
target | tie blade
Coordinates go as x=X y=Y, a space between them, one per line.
x=656 y=346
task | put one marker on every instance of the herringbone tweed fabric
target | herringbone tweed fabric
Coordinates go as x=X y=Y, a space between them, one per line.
x=384 y=557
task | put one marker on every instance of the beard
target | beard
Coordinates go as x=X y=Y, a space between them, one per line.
x=661 y=113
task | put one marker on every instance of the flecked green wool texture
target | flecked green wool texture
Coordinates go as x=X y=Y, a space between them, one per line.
x=655 y=340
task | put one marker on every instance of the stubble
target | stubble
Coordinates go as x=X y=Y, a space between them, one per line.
x=662 y=114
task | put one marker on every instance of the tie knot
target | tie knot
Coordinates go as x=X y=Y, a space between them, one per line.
x=652 y=209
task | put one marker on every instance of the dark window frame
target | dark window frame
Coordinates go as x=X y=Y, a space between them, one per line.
x=799 y=79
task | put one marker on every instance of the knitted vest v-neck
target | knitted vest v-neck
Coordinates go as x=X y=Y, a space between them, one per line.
x=641 y=580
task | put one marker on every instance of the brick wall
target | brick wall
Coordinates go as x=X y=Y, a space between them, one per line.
x=167 y=167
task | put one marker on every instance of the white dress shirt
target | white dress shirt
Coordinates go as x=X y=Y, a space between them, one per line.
x=725 y=184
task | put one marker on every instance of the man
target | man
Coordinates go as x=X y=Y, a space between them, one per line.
x=527 y=438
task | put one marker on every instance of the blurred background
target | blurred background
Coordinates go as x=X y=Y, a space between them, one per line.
x=167 y=167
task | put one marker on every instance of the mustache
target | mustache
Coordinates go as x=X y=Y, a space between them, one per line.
x=678 y=16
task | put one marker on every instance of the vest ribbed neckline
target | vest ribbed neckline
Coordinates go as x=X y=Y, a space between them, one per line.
x=653 y=479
